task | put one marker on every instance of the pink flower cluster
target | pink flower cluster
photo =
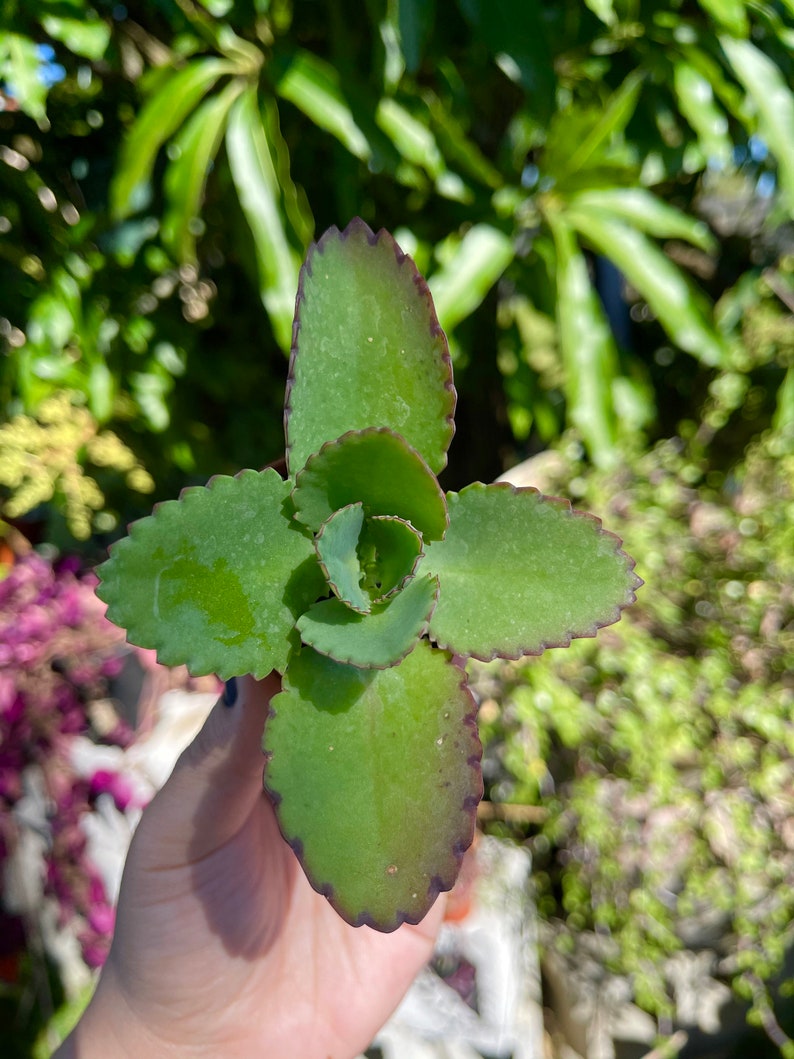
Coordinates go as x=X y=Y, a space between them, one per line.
x=57 y=653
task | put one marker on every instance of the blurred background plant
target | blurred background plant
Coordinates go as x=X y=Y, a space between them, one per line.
x=581 y=182
x=661 y=754
x=601 y=194
x=56 y=656
x=41 y=461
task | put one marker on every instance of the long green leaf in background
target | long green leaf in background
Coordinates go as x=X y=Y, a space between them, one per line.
x=185 y=179
x=614 y=118
x=727 y=93
x=773 y=101
x=695 y=97
x=351 y=116
x=258 y=190
x=646 y=211
x=588 y=347
x=463 y=281
x=729 y=14
x=87 y=37
x=784 y=412
x=313 y=86
x=456 y=143
x=603 y=9
x=416 y=142
x=160 y=117
x=19 y=67
x=683 y=311
x=414 y=25
x=295 y=203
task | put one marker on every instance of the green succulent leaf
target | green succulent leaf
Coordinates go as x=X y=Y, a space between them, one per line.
x=366 y=561
x=390 y=549
x=355 y=761
x=367 y=349
x=520 y=572
x=377 y=468
x=375 y=640
x=216 y=579
x=337 y=549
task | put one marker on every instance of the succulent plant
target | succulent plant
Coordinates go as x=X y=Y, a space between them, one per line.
x=366 y=587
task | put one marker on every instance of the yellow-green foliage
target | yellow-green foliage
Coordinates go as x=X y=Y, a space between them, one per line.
x=42 y=459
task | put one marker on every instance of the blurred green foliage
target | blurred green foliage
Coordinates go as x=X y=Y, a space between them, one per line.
x=663 y=751
x=563 y=172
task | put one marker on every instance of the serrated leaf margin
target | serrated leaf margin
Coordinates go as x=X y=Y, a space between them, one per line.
x=357 y=225
x=636 y=581
x=469 y=806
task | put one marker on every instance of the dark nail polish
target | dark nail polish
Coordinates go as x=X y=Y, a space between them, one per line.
x=229 y=696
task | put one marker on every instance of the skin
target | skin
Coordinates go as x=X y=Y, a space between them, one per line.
x=221 y=947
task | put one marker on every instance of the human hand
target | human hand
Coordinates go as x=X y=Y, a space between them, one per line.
x=221 y=946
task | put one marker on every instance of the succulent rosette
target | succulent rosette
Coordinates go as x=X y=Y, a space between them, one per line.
x=366 y=586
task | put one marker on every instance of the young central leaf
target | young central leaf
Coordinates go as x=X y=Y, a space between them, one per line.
x=378 y=469
x=366 y=561
x=375 y=640
x=359 y=762
x=389 y=549
x=337 y=550
x=367 y=350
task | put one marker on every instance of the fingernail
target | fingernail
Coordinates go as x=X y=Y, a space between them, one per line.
x=229 y=696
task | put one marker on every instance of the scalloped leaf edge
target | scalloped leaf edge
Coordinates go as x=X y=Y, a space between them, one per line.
x=357 y=225
x=437 y=885
x=415 y=637
x=329 y=576
x=366 y=432
x=165 y=654
x=636 y=582
x=415 y=566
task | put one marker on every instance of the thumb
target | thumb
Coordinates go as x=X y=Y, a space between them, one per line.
x=217 y=780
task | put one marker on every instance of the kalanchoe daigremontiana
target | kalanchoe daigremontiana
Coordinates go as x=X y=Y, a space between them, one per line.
x=365 y=586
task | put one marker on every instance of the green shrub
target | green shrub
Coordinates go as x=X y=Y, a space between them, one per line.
x=663 y=751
